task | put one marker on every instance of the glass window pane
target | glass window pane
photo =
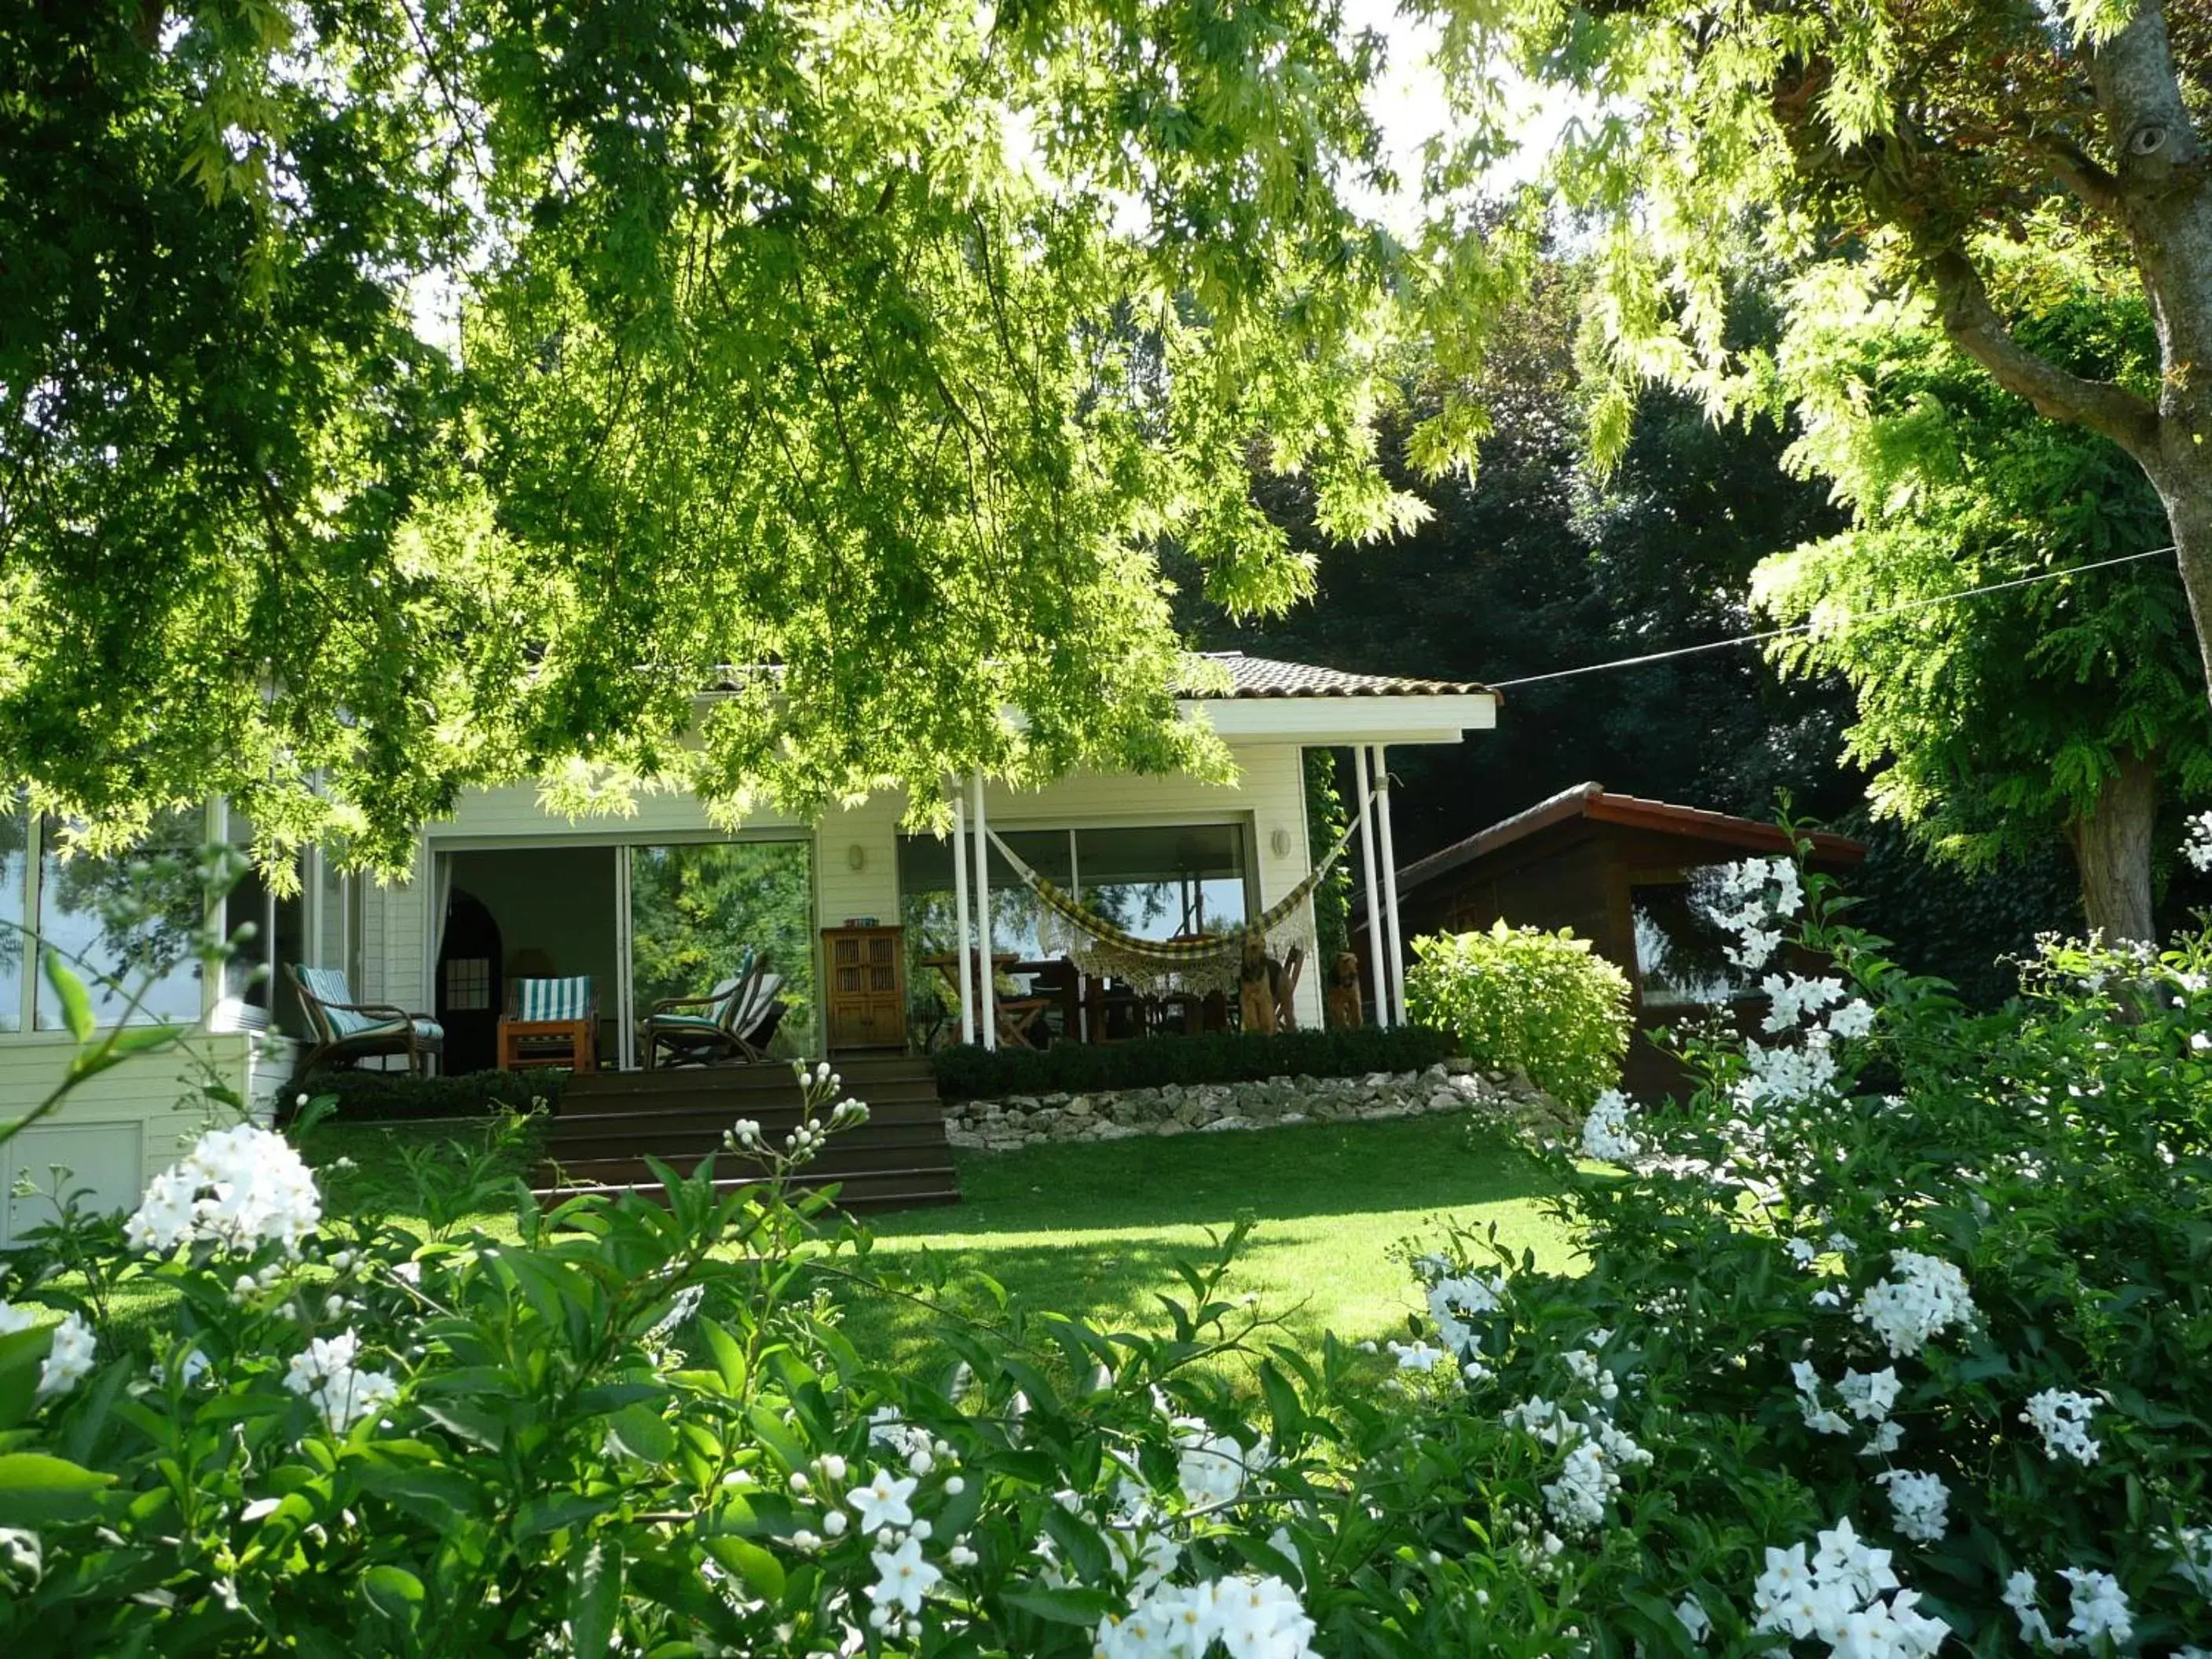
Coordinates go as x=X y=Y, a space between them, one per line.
x=15 y=859
x=695 y=907
x=248 y=902
x=1165 y=881
x=131 y=925
x=1018 y=924
x=1681 y=952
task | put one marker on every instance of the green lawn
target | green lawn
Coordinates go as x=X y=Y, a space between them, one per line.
x=1093 y=1230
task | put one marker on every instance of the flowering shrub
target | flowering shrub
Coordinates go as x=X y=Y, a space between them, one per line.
x=1521 y=997
x=1895 y=1338
x=634 y=1427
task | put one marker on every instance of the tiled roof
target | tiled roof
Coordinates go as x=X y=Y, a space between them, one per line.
x=1591 y=800
x=1265 y=677
x=1248 y=677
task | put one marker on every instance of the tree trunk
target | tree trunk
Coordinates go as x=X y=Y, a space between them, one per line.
x=2111 y=847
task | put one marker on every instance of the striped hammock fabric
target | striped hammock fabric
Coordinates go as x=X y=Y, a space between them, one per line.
x=554 y=998
x=1170 y=954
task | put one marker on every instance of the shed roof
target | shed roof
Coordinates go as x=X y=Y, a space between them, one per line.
x=1591 y=801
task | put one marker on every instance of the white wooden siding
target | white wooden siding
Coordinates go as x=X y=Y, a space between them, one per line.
x=117 y=1129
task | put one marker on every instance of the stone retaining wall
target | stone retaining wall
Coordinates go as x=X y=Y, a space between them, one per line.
x=1208 y=1108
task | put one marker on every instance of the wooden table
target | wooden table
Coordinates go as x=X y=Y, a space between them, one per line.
x=581 y=1036
x=1011 y=1011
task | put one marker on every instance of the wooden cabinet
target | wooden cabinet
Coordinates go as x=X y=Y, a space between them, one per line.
x=866 y=1003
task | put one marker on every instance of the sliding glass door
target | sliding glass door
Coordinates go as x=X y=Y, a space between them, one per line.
x=692 y=909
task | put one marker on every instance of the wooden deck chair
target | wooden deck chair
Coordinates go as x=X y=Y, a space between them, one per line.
x=732 y=1022
x=347 y=1030
x=551 y=1022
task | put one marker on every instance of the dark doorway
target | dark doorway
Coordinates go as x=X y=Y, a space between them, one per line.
x=472 y=986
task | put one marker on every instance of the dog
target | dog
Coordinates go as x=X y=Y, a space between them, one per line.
x=1258 y=986
x=1345 y=1011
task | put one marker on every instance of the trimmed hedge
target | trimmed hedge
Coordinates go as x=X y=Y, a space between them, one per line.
x=371 y=1097
x=967 y=1071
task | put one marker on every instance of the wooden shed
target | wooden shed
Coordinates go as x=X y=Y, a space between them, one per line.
x=1629 y=874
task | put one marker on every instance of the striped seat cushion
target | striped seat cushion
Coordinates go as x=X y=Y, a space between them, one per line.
x=426 y=1030
x=685 y=1023
x=327 y=986
x=554 y=998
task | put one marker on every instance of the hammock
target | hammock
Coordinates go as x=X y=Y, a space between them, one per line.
x=1206 y=963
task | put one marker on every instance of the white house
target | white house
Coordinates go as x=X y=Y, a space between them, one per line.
x=654 y=904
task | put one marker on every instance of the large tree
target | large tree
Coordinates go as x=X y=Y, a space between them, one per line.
x=401 y=394
x=1918 y=140
x=2051 y=707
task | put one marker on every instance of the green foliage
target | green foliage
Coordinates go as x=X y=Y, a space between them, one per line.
x=373 y=1097
x=1991 y=725
x=968 y=1071
x=409 y=397
x=697 y=909
x=1521 y=998
x=1326 y=817
x=2054 y=1157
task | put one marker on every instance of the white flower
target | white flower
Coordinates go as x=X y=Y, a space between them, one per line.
x=70 y=1360
x=2063 y=1420
x=2197 y=849
x=1211 y=1467
x=1418 y=1356
x=1869 y=1396
x=2099 y=1607
x=1854 y=1019
x=1261 y=1619
x=883 y=1501
x=1576 y=1500
x=833 y=1468
x=239 y=1189
x=1918 y=1503
x=903 y=1576
x=1925 y=1295
x=325 y=1373
x=1793 y=998
x=1696 y=1621
x=2034 y=1628
x=1801 y=1251
x=13 y=1319
x=1836 y=1598
x=1605 y=1135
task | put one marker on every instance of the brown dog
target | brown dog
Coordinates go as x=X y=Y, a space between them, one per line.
x=1259 y=982
x=1345 y=1011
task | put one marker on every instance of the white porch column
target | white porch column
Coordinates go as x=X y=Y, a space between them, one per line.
x=1397 y=943
x=987 y=992
x=967 y=978
x=1367 y=861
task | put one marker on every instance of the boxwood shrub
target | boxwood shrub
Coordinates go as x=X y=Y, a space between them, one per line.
x=967 y=1071
x=370 y=1096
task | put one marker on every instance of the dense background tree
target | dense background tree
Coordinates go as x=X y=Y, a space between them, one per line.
x=2066 y=708
x=395 y=396
x=1920 y=143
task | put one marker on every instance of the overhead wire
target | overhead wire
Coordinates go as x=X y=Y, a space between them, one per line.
x=1764 y=635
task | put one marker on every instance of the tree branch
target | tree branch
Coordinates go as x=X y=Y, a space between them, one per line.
x=1962 y=301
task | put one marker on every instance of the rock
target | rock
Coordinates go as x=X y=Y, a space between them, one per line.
x=1232 y=1122
x=1443 y=1101
x=1291 y=1117
x=1458 y=1066
x=1078 y=1107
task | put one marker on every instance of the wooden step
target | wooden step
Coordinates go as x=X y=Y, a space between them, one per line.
x=681 y=1144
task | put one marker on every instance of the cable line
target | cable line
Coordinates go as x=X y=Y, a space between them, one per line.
x=1807 y=627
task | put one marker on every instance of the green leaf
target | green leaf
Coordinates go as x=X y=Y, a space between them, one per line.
x=641 y=1431
x=36 y=1489
x=22 y=1353
x=595 y=1588
x=760 y=1571
x=1061 y=1606
x=76 y=1002
x=729 y=1357
x=551 y=1511
x=396 y=1593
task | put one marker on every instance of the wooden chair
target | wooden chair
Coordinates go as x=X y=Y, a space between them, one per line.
x=551 y=1022
x=347 y=1030
x=1287 y=989
x=1020 y=1019
x=736 y=1019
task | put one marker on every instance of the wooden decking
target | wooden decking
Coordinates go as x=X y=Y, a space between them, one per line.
x=609 y=1122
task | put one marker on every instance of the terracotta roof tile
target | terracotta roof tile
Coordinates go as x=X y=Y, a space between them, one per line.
x=1266 y=676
